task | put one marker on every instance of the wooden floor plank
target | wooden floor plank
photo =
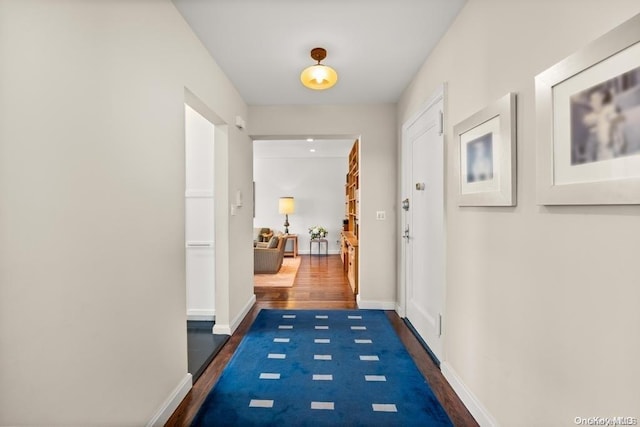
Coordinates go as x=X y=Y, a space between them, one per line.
x=320 y=284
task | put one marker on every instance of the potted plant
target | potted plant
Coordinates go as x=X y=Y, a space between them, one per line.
x=317 y=232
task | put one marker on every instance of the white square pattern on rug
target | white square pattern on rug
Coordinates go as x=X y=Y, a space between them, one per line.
x=365 y=357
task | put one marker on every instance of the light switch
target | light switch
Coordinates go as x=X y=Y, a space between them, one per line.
x=381 y=215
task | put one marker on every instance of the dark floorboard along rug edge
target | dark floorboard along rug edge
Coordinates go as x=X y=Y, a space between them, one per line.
x=388 y=325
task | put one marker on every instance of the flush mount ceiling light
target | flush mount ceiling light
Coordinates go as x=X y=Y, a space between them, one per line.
x=319 y=76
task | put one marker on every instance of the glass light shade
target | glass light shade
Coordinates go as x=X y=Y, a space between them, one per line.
x=286 y=205
x=319 y=77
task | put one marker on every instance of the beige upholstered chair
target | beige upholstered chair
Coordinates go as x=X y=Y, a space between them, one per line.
x=267 y=260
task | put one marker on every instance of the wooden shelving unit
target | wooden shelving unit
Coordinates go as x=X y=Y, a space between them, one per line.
x=352 y=211
x=353 y=189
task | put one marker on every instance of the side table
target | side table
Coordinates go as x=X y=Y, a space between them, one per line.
x=293 y=252
x=319 y=242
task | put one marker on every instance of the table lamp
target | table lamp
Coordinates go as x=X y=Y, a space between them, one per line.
x=286 y=206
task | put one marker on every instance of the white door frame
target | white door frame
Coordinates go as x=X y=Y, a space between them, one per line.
x=224 y=324
x=437 y=96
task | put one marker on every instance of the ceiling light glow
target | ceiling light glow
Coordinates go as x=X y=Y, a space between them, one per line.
x=319 y=76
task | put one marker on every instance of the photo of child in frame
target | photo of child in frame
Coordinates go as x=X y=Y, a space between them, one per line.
x=605 y=120
x=480 y=159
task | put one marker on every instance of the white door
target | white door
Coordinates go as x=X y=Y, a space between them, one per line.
x=199 y=215
x=423 y=222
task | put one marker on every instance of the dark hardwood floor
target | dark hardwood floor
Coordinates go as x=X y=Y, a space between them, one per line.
x=320 y=284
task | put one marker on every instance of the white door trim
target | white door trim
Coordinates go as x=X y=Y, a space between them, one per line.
x=437 y=96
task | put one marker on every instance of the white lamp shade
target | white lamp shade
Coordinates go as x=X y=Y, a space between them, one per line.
x=319 y=77
x=286 y=205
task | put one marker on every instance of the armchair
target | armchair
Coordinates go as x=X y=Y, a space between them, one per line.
x=261 y=235
x=267 y=260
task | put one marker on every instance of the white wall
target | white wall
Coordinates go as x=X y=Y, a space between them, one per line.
x=199 y=216
x=376 y=126
x=92 y=267
x=317 y=184
x=542 y=323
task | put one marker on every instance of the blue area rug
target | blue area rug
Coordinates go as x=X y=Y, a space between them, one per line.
x=321 y=368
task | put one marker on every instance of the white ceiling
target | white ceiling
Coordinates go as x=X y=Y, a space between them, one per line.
x=376 y=46
x=301 y=148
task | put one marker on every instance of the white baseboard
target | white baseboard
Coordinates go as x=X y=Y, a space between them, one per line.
x=221 y=329
x=240 y=317
x=477 y=409
x=400 y=310
x=171 y=403
x=230 y=329
x=201 y=314
x=375 y=305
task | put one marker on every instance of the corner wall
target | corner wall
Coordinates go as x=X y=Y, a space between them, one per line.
x=375 y=126
x=541 y=321
x=92 y=260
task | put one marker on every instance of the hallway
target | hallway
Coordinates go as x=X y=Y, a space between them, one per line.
x=320 y=283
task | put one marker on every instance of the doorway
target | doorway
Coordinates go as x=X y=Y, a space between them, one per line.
x=423 y=221
x=199 y=216
x=199 y=201
x=312 y=172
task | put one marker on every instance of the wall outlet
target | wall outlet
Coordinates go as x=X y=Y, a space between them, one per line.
x=381 y=215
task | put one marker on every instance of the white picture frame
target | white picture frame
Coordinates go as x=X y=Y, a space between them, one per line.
x=588 y=123
x=485 y=153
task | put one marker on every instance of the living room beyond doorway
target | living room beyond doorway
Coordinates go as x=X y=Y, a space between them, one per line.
x=300 y=213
